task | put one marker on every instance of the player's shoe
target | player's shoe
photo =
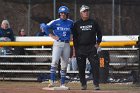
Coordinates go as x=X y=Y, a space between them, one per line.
x=64 y=87
x=51 y=84
x=83 y=87
x=96 y=87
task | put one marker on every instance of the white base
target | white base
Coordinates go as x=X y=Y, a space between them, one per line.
x=55 y=88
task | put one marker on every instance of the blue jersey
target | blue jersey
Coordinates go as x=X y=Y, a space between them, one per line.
x=61 y=28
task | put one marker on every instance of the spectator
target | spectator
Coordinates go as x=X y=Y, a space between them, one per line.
x=73 y=61
x=41 y=32
x=88 y=67
x=138 y=42
x=22 y=32
x=20 y=50
x=6 y=34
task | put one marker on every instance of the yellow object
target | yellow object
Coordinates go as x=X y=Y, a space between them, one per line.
x=26 y=43
x=117 y=44
x=50 y=43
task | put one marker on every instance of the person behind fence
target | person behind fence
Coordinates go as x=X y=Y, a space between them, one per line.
x=73 y=61
x=85 y=31
x=41 y=32
x=138 y=42
x=72 y=66
x=61 y=48
x=20 y=50
x=6 y=35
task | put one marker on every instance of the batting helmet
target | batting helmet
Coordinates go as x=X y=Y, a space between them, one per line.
x=63 y=9
x=42 y=25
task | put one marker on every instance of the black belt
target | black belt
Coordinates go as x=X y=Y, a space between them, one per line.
x=66 y=41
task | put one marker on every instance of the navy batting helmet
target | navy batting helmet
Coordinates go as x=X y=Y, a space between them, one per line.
x=63 y=9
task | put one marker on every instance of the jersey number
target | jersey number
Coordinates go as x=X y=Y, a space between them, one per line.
x=64 y=34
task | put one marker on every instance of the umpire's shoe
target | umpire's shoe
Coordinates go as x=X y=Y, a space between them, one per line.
x=96 y=87
x=83 y=87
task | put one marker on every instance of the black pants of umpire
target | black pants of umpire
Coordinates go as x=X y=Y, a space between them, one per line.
x=89 y=52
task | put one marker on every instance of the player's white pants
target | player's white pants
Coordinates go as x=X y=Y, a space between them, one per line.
x=60 y=50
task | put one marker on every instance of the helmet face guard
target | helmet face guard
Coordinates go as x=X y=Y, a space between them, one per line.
x=63 y=9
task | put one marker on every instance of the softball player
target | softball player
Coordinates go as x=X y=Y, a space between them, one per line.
x=61 y=48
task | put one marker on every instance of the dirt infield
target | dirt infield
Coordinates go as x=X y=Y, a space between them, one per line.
x=35 y=87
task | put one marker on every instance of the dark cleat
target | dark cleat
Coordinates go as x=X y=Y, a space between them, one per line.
x=83 y=87
x=97 y=87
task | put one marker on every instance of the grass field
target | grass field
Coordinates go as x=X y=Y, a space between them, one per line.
x=36 y=87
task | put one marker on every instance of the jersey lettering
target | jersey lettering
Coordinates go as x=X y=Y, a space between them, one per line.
x=85 y=28
x=63 y=29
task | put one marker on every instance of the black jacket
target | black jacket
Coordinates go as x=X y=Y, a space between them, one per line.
x=85 y=32
x=7 y=33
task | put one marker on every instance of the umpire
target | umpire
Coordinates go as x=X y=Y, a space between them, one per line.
x=85 y=42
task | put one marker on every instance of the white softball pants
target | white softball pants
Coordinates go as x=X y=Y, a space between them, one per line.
x=61 y=50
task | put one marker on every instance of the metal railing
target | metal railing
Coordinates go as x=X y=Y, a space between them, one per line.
x=119 y=53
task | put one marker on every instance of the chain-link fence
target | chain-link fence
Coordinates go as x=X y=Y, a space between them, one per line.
x=116 y=17
x=117 y=64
